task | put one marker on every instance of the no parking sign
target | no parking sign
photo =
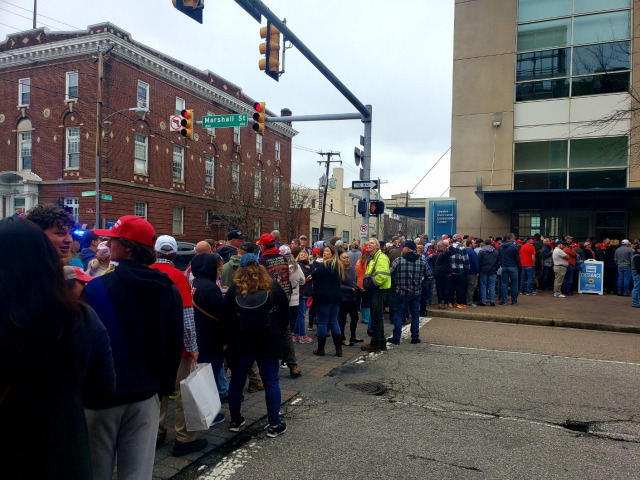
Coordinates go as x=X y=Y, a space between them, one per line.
x=591 y=277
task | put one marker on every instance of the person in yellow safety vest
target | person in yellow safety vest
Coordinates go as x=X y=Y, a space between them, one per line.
x=378 y=267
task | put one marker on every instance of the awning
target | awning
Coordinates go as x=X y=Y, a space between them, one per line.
x=591 y=199
x=414 y=212
x=18 y=177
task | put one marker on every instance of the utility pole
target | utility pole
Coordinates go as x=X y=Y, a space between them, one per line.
x=99 y=133
x=328 y=161
x=35 y=9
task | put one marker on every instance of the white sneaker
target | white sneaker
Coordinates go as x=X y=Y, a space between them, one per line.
x=559 y=295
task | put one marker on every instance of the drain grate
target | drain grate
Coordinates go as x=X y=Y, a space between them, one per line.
x=370 y=388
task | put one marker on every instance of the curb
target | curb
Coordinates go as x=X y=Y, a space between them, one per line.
x=537 y=321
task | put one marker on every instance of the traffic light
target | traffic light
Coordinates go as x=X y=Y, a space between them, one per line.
x=362 y=207
x=187 y=123
x=191 y=8
x=258 y=117
x=376 y=207
x=271 y=51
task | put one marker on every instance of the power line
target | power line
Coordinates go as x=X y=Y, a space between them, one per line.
x=39 y=15
x=28 y=18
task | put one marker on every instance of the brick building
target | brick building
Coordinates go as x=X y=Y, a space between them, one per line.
x=193 y=189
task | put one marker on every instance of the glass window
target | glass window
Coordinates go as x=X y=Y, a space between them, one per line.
x=277 y=150
x=598 y=179
x=180 y=105
x=540 y=155
x=25 y=150
x=74 y=204
x=597 y=84
x=540 y=35
x=529 y=10
x=143 y=94
x=140 y=154
x=599 y=152
x=140 y=209
x=24 y=91
x=235 y=178
x=602 y=27
x=258 y=143
x=257 y=227
x=257 y=182
x=276 y=190
x=542 y=90
x=345 y=237
x=178 y=163
x=72 y=85
x=211 y=131
x=543 y=64
x=236 y=135
x=73 y=147
x=315 y=233
x=208 y=171
x=601 y=58
x=588 y=6
x=276 y=224
x=540 y=181
x=178 y=220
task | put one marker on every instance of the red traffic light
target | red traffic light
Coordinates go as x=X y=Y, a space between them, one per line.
x=258 y=107
x=185 y=114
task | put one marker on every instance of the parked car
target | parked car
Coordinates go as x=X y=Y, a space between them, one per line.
x=186 y=251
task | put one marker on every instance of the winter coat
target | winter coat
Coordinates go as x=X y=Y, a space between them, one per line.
x=488 y=260
x=348 y=284
x=296 y=278
x=306 y=289
x=326 y=285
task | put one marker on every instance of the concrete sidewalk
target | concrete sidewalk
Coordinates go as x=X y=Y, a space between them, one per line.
x=586 y=311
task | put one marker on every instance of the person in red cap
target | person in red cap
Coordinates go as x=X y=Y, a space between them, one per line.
x=142 y=311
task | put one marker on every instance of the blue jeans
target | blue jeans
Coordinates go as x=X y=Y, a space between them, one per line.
x=527 y=280
x=509 y=273
x=635 y=294
x=300 y=327
x=217 y=365
x=490 y=281
x=327 y=318
x=269 y=373
x=624 y=280
x=568 y=280
x=413 y=303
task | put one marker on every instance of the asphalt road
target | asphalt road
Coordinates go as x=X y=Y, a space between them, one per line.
x=475 y=400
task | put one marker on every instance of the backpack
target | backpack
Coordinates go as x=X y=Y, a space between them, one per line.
x=253 y=311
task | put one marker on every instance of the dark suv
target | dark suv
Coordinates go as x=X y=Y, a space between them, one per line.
x=186 y=251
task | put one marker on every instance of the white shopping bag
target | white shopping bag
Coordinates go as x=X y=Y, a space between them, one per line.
x=200 y=399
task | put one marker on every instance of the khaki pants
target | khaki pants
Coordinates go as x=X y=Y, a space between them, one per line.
x=560 y=272
x=182 y=435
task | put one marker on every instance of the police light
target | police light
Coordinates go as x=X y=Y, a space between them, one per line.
x=259 y=117
x=187 y=123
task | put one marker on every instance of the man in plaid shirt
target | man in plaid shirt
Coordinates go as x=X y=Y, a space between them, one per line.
x=460 y=267
x=409 y=273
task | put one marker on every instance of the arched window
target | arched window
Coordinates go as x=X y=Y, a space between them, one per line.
x=25 y=131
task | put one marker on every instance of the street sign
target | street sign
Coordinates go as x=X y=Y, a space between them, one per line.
x=590 y=280
x=231 y=120
x=364 y=230
x=175 y=123
x=88 y=193
x=364 y=185
x=106 y=197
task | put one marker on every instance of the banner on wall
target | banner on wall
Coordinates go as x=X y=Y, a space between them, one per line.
x=442 y=217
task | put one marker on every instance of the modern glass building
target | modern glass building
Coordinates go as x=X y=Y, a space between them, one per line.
x=544 y=101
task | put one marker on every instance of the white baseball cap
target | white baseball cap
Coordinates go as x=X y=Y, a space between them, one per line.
x=166 y=244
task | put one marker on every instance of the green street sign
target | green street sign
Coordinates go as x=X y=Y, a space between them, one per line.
x=106 y=197
x=231 y=120
x=88 y=193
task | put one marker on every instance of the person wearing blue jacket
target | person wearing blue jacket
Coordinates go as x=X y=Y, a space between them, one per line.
x=472 y=273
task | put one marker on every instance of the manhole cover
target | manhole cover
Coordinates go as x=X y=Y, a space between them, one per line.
x=370 y=388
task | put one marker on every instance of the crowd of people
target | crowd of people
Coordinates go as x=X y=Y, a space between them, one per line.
x=106 y=327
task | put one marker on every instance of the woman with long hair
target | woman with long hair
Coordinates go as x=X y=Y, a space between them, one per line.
x=256 y=316
x=305 y=294
x=327 y=298
x=54 y=354
x=361 y=268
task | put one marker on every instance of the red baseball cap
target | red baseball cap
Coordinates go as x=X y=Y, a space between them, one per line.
x=266 y=239
x=131 y=228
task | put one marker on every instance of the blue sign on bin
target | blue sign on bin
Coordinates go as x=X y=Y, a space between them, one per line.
x=591 y=277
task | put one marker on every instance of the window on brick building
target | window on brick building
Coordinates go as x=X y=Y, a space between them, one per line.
x=178 y=163
x=180 y=105
x=236 y=135
x=72 y=86
x=73 y=147
x=235 y=178
x=277 y=150
x=140 y=209
x=141 y=154
x=74 y=204
x=258 y=143
x=24 y=144
x=143 y=94
x=211 y=131
x=208 y=171
x=24 y=91
x=178 y=220
x=257 y=227
x=276 y=190
x=257 y=184
x=276 y=224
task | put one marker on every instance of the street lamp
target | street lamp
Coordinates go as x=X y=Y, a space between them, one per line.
x=142 y=111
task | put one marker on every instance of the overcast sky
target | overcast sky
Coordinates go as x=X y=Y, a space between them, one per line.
x=395 y=56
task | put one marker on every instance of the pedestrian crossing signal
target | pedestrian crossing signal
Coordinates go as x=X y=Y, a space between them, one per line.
x=376 y=207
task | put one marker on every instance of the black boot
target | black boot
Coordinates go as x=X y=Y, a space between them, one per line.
x=321 y=343
x=337 y=342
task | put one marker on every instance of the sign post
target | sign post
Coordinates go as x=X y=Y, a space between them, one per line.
x=591 y=277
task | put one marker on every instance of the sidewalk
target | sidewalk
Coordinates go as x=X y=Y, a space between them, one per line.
x=587 y=311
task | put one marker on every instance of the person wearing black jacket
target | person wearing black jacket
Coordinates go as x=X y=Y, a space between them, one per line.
x=510 y=263
x=489 y=262
x=349 y=306
x=442 y=272
x=142 y=311
x=262 y=343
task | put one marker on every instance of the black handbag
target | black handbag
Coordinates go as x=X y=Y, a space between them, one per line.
x=369 y=281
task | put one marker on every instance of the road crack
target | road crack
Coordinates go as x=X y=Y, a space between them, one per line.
x=441 y=462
